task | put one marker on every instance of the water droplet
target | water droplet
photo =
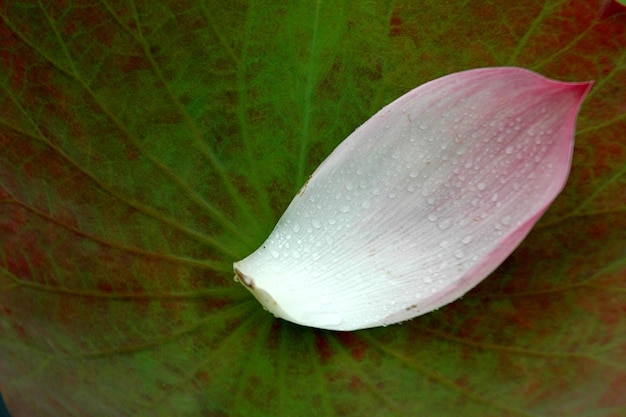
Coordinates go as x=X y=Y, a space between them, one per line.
x=427 y=279
x=365 y=205
x=432 y=217
x=444 y=224
x=316 y=223
x=508 y=150
x=459 y=253
x=494 y=197
x=506 y=220
x=296 y=228
x=344 y=209
x=444 y=244
x=392 y=195
x=275 y=253
x=481 y=186
x=413 y=174
x=332 y=221
x=349 y=186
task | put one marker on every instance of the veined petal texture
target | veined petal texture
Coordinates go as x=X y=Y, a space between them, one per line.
x=421 y=202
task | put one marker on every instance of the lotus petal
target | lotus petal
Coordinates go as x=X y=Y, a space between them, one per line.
x=421 y=202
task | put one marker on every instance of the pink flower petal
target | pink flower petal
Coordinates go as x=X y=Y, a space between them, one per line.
x=420 y=203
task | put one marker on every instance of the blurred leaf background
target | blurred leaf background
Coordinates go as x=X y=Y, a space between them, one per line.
x=145 y=146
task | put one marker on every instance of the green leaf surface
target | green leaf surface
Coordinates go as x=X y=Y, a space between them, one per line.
x=145 y=146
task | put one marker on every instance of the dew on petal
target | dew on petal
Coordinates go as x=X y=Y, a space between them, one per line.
x=444 y=224
x=426 y=199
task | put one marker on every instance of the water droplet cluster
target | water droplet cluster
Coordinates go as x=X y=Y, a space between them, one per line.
x=424 y=190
